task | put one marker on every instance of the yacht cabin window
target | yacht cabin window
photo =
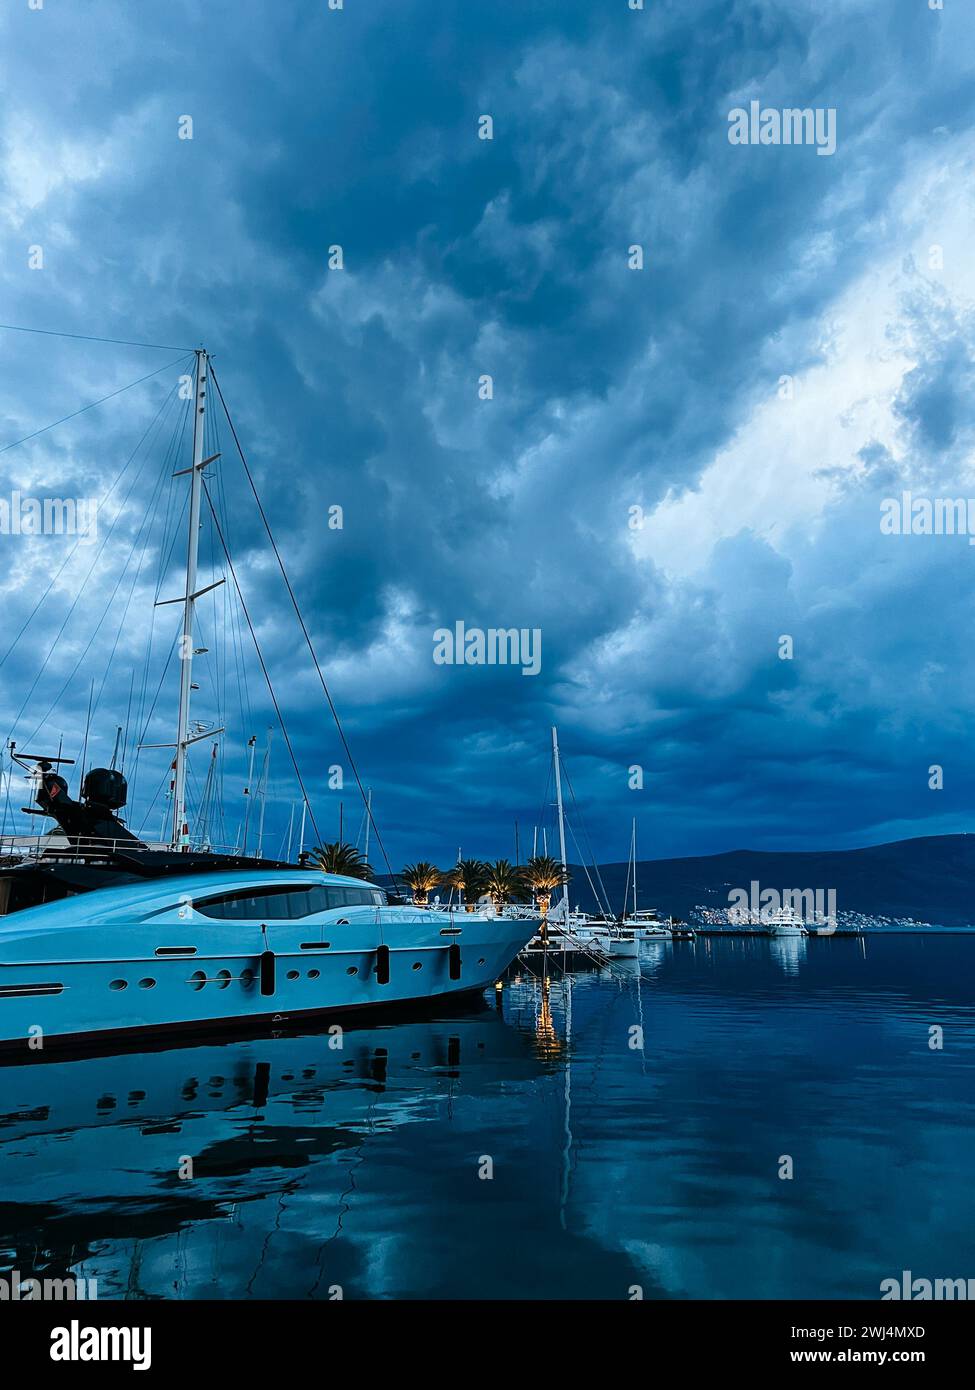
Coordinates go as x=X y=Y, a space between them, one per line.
x=293 y=901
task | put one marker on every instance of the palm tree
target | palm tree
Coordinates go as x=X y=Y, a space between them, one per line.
x=542 y=874
x=339 y=858
x=421 y=878
x=470 y=877
x=504 y=881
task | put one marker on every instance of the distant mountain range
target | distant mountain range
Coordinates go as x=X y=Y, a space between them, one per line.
x=930 y=879
x=927 y=880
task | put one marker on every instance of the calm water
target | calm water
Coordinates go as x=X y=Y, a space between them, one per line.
x=612 y=1166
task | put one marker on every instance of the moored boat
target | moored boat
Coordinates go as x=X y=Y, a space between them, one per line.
x=784 y=922
x=103 y=934
x=169 y=950
x=624 y=943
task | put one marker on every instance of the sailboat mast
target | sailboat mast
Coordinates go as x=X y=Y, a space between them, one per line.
x=249 y=789
x=633 y=852
x=265 y=773
x=180 y=828
x=365 y=852
x=558 y=798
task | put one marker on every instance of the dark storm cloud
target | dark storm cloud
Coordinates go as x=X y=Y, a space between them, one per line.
x=612 y=388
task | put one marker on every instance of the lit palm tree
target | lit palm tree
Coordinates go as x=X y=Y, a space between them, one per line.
x=421 y=878
x=470 y=877
x=504 y=881
x=339 y=858
x=542 y=874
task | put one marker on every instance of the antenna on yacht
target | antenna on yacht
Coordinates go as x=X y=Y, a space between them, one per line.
x=180 y=828
x=558 y=799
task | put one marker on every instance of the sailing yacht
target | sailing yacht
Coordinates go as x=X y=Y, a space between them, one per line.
x=104 y=936
x=646 y=923
x=563 y=930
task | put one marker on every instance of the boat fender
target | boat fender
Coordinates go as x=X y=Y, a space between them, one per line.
x=453 y=959
x=267 y=966
x=382 y=965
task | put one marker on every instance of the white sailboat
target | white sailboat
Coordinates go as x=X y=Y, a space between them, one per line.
x=565 y=930
x=647 y=923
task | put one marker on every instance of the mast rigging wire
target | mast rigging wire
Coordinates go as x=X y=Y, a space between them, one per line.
x=106 y=609
x=592 y=855
x=307 y=636
x=90 y=406
x=260 y=657
x=71 y=553
x=88 y=338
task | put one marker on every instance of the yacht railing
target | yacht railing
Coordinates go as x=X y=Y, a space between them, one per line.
x=28 y=848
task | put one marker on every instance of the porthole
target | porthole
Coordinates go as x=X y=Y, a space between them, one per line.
x=314 y=974
x=418 y=965
x=481 y=961
x=119 y=984
x=223 y=979
x=198 y=979
x=147 y=983
x=352 y=970
x=292 y=975
x=247 y=978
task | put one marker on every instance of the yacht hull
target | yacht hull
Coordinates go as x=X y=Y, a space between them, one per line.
x=625 y=948
x=130 y=971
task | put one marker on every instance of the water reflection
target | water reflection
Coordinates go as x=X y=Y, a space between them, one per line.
x=633 y=1117
x=789 y=952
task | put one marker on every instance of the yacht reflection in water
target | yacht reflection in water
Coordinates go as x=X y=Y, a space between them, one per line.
x=789 y=952
x=110 y=1164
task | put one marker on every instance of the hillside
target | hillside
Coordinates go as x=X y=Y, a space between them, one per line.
x=929 y=879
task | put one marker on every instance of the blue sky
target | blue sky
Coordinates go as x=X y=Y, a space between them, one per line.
x=615 y=389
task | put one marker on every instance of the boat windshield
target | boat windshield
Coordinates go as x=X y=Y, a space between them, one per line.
x=288 y=902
